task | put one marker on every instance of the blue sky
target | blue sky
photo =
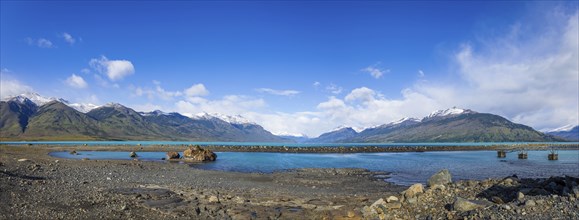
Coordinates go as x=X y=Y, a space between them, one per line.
x=299 y=67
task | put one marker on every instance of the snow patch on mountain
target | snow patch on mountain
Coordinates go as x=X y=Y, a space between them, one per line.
x=81 y=107
x=39 y=100
x=235 y=119
x=406 y=119
x=155 y=113
x=449 y=112
x=568 y=127
x=35 y=98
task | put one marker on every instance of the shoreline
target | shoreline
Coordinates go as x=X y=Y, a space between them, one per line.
x=36 y=185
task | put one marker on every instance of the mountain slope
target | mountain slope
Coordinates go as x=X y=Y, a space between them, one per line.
x=465 y=126
x=337 y=135
x=14 y=117
x=123 y=123
x=57 y=121
x=571 y=134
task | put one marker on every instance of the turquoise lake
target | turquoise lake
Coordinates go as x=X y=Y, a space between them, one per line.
x=149 y=143
x=406 y=168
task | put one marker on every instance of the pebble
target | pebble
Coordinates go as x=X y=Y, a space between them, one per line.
x=23 y=160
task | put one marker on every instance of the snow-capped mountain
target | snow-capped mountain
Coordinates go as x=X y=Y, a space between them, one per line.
x=568 y=127
x=154 y=113
x=35 y=98
x=448 y=112
x=235 y=119
x=404 y=120
x=39 y=100
x=82 y=107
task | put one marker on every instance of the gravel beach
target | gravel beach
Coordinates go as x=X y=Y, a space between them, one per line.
x=34 y=185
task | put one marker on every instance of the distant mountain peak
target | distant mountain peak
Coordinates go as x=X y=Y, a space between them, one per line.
x=449 y=112
x=39 y=100
x=114 y=105
x=154 y=113
x=34 y=98
x=403 y=120
x=235 y=119
x=568 y=127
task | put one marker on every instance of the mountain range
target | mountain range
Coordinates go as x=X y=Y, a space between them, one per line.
x=33 y=117
x=21 y=118
x=450 y=125
x=568 y=132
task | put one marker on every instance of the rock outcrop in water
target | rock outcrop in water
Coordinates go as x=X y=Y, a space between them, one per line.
x=199 y=154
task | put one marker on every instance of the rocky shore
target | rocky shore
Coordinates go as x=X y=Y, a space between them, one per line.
x=34 y=185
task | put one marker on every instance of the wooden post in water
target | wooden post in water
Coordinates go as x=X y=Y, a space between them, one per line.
x=501 y=153
x=553 y=155
x=523 y=154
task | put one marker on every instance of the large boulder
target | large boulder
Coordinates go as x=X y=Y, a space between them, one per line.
x=442 y=177
x=173 y=155
x=199 y=154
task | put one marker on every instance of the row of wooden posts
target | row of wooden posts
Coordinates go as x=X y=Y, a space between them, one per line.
x=553 y=155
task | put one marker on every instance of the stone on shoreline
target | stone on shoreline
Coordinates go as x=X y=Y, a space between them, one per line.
x=173 y=155
x=23 y=160
x=199 y=154
x=464 y=205
x=413 y=191
x=442 y=177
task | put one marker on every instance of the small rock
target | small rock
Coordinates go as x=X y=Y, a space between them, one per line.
x=351 y=214
x=391 y=199
x=124 y=207
x=497 y=200
x=442 y=177
x=464 y=205
x=23 y=160
x=520 y=196
x=530 y=203
x=413 y=190
x=213 y=199
x=394 y=205
x=438 y=187
x=56 y=161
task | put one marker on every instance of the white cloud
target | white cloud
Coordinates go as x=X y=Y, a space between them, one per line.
x=158 y=91
x=375 y=71
x=420 y=73
x=533 y=80
x=76 y=82
x=228 y=105
x=68 y=38
x=361 y=94
x=10 y=86
x=40 y=42
x=196 y=90
x=278 y=92
x=114 y=69
x=334 y=89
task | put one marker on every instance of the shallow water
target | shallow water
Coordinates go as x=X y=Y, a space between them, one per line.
x=407 y=168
